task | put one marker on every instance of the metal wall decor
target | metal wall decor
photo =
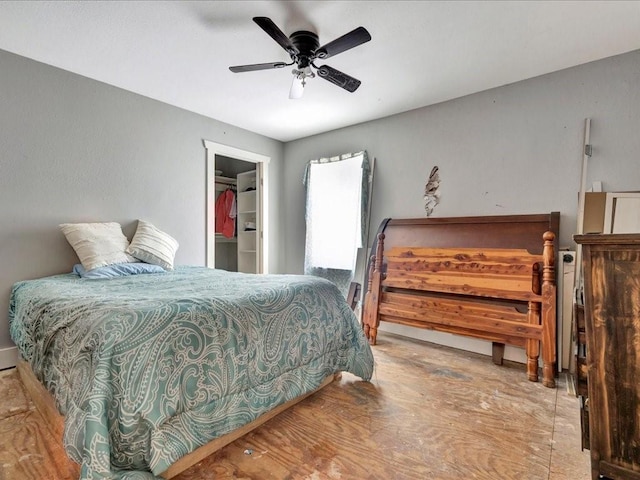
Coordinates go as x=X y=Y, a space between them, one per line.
x=431 y=195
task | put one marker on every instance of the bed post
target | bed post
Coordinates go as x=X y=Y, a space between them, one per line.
x=365 y=321
x=371 y=320
x=533 y=317
x=548 y=312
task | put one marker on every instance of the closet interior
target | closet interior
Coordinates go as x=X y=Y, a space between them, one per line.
x=237 y=218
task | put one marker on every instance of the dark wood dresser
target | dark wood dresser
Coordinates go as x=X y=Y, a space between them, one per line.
x=611 y=266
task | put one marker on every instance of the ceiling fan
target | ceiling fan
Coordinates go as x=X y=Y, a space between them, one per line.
x=304 y=48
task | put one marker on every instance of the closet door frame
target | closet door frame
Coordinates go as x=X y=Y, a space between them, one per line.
x=262 y=173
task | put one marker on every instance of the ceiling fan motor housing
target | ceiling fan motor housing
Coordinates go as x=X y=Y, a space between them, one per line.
x=306 y=43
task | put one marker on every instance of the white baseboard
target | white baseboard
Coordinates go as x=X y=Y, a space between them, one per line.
x=8 y=357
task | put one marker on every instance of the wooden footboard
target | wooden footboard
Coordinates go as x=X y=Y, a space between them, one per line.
x=45 y=404
x=504 y=295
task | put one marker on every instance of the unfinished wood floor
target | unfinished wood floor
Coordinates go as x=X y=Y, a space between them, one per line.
x=430 y=412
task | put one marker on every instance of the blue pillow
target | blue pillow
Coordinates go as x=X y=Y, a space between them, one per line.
x=117 y=270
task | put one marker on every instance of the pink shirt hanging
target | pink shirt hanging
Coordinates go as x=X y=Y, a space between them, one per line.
x=226 y=213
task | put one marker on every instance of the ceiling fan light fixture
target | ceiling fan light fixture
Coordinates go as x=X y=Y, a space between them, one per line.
x=297 y=88
x=299 y=81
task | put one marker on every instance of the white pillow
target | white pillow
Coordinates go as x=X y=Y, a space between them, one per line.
x=153 y=246
x=97 y=244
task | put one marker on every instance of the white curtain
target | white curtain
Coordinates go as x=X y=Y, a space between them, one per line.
x=337 y=195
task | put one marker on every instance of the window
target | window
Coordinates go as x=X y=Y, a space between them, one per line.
x=337 y=204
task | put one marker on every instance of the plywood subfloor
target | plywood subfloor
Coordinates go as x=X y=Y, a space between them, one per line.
x=430 y=412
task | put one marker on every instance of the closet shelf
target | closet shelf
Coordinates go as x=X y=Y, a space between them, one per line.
x=226 y=180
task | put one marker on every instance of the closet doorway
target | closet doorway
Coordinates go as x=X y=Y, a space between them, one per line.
x=242 y=177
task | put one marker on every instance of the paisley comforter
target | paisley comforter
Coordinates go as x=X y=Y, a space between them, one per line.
x=147 y=368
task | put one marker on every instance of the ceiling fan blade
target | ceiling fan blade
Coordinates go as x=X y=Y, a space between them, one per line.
x=349 y=40
x=258 y=66
x=274 y=32
x=338 y=78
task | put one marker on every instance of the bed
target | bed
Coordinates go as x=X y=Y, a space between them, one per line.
x=148 y=368
x=487 y=277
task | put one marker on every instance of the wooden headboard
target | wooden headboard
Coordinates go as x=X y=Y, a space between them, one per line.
x=498 y=231
x=464 y=275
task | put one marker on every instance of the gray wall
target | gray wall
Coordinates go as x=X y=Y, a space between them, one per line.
x=76 y=150
x=512 y=150
x=516 y=149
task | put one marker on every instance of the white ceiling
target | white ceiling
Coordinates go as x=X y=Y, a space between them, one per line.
x=421 y=52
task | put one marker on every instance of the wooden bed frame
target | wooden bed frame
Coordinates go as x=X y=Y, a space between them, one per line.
x=491 y=278
x=45 y=404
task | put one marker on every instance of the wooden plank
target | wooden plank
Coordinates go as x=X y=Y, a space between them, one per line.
x=28 y=450
x=468 y=332
x=498 y=231
x=494 y=273
x=455 y=313
x=45 y=405
x=371 y=317
x=216 y=444
x=514 y=310
x=489 y=287
x=508 y=256
x=480 y=315
x=611 y=470
x=42 y=399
